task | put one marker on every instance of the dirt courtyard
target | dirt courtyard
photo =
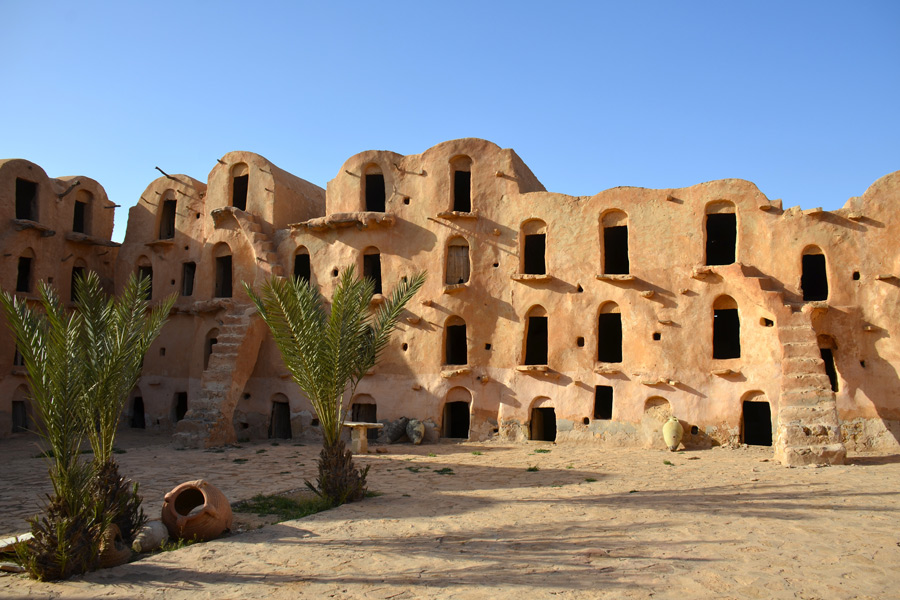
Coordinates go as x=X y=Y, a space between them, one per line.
x=471 y=520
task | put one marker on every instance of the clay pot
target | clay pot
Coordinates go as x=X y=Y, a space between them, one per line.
x=196 y=510
x=672 y=433
x=113 y=551
x=150 y=537
x=415 y=431
x=394 y=431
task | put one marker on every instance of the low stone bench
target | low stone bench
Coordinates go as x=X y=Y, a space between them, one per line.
x=359 y=435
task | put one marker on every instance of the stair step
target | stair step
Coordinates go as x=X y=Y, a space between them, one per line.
x=800 y=350
x=806 y=397
x=806 y=380
x=801 y=365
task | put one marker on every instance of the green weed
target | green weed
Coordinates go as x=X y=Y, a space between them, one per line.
x=284 y=508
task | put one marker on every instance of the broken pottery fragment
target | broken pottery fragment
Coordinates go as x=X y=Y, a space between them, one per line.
x=113 y=550
x=672 y=433
x=415 y=431
x=196 y=510
x=151 y=536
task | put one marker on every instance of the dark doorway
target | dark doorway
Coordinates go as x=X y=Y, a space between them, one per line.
x=603 y=402
x=78 y=221
x=223 y=277
x=757 y=420
x=721 y=238
x=302 y=267
x=239 y=191
x=26 y=199
x=609 y=337
x=137 y=413
x=814 y=280
x=375 y=194
x=543 y=424
x=830 y=370
x=366 y=413
x=462 y=191
x=456 y=420
x=535 y=249
x=188 y=270
x=77 y=273
x=615 y=250
x=280 y=421
x=147 y=273
x=726 y=333
x=19 y=416
x=167 y=220
x=23 y=275
x=181 y=405
x=372 y=270
x=536 y=341
x=456 y=345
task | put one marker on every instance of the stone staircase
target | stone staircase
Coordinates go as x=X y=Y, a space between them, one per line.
x=208 y=421
x=808 y=428
x=259 y=238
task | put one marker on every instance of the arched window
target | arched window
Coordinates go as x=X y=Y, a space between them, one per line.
x=533 y=248
x=536 y=336
x=461 y=183
x=222 y=254
x=145 y=271
x=167 y=208
x=609 y=333
x=615 y=243
x=240 y=185
x=374 y=194
x=81 y=215
x=455 y=345
x=457 y=261
x=25 y=271
x=726 y=328
x=372 y=266
x=814 y=278
x=721 y=233
x=302 y=266
x=26 y=199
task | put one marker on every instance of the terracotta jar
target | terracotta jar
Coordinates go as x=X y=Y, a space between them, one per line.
x=196 y=510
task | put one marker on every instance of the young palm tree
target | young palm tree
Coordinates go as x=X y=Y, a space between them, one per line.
x=81 y=366
x=328 y=353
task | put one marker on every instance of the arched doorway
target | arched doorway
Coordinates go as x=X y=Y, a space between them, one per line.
x=543 y=420
x=457 y=410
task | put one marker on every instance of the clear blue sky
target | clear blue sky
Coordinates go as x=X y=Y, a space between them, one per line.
x=802 y=98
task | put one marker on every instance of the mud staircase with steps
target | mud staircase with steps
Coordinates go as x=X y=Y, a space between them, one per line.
x=808 y=429
x=259 y=238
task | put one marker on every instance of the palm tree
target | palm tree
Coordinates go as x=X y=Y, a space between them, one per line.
x=327 y=353
x=81 y=365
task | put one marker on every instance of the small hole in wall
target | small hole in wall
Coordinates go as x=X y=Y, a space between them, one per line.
x=496 y=265
x=246 y=396
x=495 y=430
x=695 y=430
x=334 y=272
x=862 y=363
x=314 y=423
x=580 y=289
x=855 y=275
x=487 y=346
x=406 y=201
x=162 y=351
x=198 y=216
x=657 y=336
x=245 y=425
x=580 y=342
x=49 y=280
x=404 y=347
x=766 y=322
x=187 y=248
x=172 y=282
x=586 y=421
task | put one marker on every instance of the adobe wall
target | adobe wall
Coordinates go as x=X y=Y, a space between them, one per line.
x=39 y=222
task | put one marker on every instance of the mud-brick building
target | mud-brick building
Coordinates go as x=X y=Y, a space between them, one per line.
x=50 y=230
x=545 y=316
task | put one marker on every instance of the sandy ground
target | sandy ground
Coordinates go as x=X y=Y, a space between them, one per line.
x=589 y=523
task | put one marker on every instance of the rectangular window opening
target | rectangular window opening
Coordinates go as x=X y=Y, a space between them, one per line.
x=534 y=262
x=536 y=341
x=181 y=405
x=603 y=402
x=721 y=238
x=167 y=220
x=814 y=279
x=188 y=270
x=375 y=193
x=19 y=416
x=77 y=273
x=726 y=333
x=456 y=345
x=372 y=270
x=78 y=221
x=26 y=199
x=457 y=264
x=223 y=277
x=830 y=369
x=609 y=338
x=615 y=250
x=240 y=186
x=23 y=276
x=302 y=267
x=147 y=273
x=462 y=191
